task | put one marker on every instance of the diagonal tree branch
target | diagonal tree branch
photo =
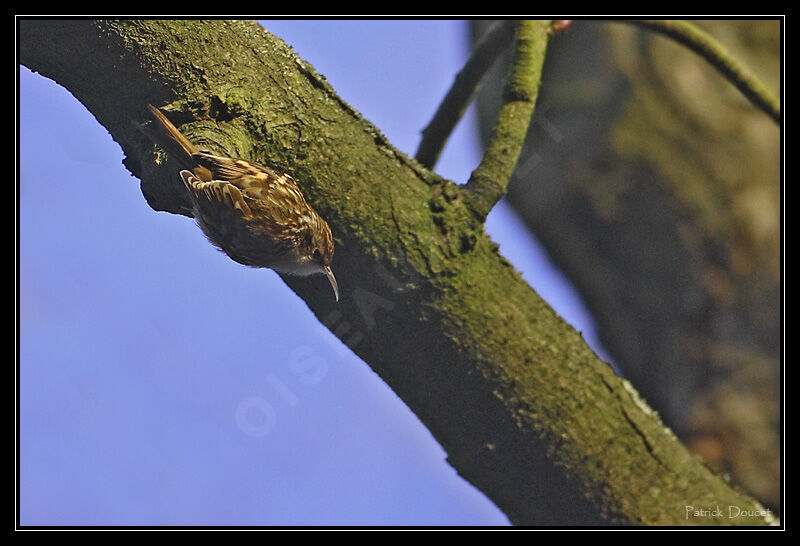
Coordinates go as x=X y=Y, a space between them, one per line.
x=524 y=409
x=487 y=184
x=466 y=84
x=719 y=57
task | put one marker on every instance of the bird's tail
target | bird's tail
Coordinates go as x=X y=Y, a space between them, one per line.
x=174 y=143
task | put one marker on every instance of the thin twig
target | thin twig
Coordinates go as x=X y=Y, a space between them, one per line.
x=717 y=56
x=487 y=184
x=466 y=84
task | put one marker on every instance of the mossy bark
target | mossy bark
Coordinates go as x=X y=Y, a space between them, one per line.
x=524 y=409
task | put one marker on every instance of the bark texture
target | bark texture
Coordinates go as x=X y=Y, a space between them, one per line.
x=655 y=186
x=525 y=411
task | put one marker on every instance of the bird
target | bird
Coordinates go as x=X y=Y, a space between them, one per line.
x=254 y=214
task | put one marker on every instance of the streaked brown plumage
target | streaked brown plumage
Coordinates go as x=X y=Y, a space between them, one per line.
x=256 y=216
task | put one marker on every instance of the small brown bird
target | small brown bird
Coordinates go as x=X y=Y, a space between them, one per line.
x=256 y=216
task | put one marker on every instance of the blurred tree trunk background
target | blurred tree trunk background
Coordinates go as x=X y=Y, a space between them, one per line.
x=655 y=186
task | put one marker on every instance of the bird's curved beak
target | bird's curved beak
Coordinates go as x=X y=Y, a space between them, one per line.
x=334 y=284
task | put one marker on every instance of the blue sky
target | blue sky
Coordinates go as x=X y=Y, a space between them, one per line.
x=136 y=408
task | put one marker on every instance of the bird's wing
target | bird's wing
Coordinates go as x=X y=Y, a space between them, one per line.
x=216 y=192
x=253 y=180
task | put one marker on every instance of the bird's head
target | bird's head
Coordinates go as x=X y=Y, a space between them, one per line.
x=316 y=251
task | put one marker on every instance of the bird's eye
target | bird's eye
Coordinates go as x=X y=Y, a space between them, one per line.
x=317 y=255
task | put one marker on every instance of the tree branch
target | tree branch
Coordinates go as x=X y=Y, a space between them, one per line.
x=719 y=57
x=487 y=184
x=524 y=409
x=466 y=84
